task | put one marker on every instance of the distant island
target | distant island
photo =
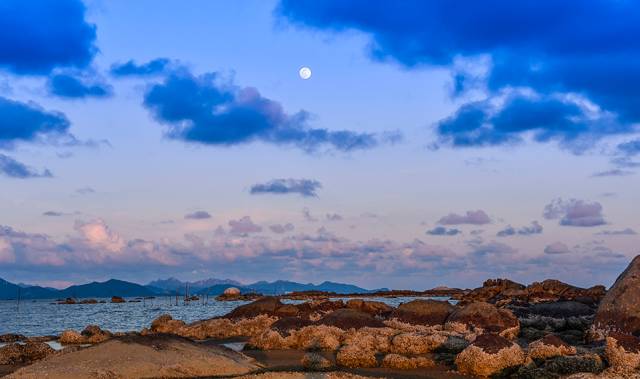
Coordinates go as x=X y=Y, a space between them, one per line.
x=167 y=287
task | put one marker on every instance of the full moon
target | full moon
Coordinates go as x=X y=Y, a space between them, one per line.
x=305 y=73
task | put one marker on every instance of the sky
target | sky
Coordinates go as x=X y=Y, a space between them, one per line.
x=436 y=143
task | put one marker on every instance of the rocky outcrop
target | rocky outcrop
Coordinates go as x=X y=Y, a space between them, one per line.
x=550 y=346
x=485 y=317
x=504 y=291
x=619 y=310
x=489 y=354
x=494 y=290
x=350 y=318
x=423 y=312
x=17 y=353
x=117 y=299
x=554 y=290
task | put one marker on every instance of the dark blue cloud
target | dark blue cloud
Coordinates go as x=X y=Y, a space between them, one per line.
x=612 y=172
x=40 y=35
x=131 y=68
x=534 y=228
x=69 y=86
x=29 y=122
x=198 y=215
x=442 y=231
x=14 y=169
x=547 y=119
x=630 y=148
x=302 y=187
x=200 y=109
x=586 y=48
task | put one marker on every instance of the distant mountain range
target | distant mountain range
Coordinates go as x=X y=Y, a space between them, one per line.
x=167 y=287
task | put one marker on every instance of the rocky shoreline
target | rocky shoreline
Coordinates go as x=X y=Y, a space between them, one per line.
x=503 y=329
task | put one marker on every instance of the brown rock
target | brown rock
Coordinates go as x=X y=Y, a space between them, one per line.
x=117 y=299
x=11 y=337
x=550 y=346
x=287 y=310
x=488 y=355
x=71 y=337
x=374 y=308
x=166 y=324
x=93 y=334
x=264 y=306
x=623 y=351
x=619 y=310
x=316 y=362
x=491 y=291
x=354 y=356
x=487 y=317
x=285 y=325
x=423 y=312
x=400 y=362
x=350 y=318
x=16 y=353
x=416 y=343
x=555 y=290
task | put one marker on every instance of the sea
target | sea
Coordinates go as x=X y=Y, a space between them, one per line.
x=45 y=317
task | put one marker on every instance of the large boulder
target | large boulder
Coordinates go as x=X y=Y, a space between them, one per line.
x=489 y=354
x=424 y=312
x=350 y=318
x=374 y=308
x=142 y=356
x=17 y=353
x=487 y=318
x=231 y=291
x=619 y=310
x=166 y=324
x=93 y=334
x=264 y=306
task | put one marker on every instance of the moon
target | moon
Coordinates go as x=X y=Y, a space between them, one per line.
x=305 y=73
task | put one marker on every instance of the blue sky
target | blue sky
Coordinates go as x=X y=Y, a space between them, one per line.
x=433 y=144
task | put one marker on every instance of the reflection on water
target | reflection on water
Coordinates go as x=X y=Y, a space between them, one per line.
x=40 y=317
